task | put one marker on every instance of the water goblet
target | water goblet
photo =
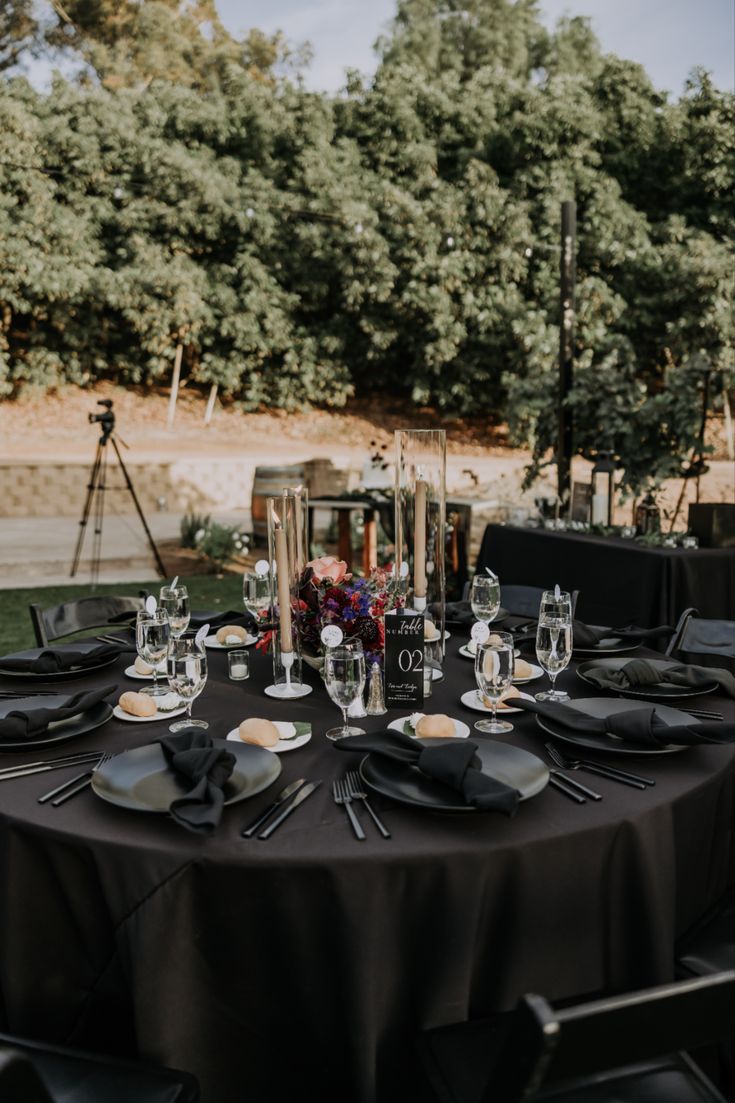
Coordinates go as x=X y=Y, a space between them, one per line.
x=344 y=677
x=187 y=676
x=553 y=651
x=494 y=666
x=152 y=636
x=485 y=597
x=256 y=593
x=175 y=600
x=556 y=603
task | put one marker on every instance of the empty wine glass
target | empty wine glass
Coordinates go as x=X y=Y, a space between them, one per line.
x=485 y=597
x=344 y=676
x=152 y=636
x=256 y=593
x=175 y=600
x=494 y=666
x=187 y=676
x=553 y=651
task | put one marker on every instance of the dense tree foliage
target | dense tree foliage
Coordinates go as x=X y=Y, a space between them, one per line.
x=402 y=236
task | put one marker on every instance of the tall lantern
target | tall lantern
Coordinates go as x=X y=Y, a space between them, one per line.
x=421 y=467
x=603 y=489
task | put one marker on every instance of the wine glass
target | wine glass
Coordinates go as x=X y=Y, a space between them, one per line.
x=152 y=636
x=344 y=676
x=553 y=651
x=485 y=597
x=187 y=676
x=556 y=603
x=256 y=593
x=494 y=667
x=175 y=600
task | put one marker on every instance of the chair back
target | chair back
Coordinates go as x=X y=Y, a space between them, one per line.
x=19 y=1081
x=87 y=612
x=700 y=636
x=547 y=1047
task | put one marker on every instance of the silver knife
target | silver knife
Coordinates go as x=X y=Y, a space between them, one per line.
x=302 y=794
x=282 y=796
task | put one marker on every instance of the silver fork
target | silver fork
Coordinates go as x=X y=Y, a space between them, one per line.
x=341 y=796
x=609 y=772
x=357 y=792
x=73 y=786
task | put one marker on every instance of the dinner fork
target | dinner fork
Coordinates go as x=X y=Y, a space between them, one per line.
x=73 y=786
x=341 y=796
x=611 y=772
x=357 y=792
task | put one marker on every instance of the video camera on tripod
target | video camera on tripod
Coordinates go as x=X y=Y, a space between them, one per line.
x=106 y=419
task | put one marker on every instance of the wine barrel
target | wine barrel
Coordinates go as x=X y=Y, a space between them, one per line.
x=269 y=483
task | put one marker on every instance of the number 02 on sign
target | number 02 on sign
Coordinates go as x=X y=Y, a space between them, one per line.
x=404 y=659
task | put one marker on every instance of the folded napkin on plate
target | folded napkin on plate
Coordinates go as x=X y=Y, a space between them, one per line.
x=193 y=756
x=218 y=620
x=454 y=764
x=585 y=635
x=55 y=660
x=642 y=672
x=25 y=723
x=456 y=612
x=634 y=725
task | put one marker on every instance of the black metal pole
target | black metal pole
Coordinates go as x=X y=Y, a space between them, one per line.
x=566 y=348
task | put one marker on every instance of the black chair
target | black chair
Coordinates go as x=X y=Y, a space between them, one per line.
x=31 y=1072
x=711 y=642
x=87 y=612
x=521 y=601
x=625 y=1048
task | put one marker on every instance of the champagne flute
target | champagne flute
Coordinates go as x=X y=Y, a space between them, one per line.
x=553 y=651
x=344 y=676
x=494 y=667
x=152 y=636
x=187 y=676
x=485 y=597
x=175 y=600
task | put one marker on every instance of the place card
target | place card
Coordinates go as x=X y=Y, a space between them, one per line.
x=404 y=659
x=332 y=635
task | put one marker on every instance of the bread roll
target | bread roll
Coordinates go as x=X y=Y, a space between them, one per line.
x=495 y=641
x=437 y=726
x=505 y=700
x=138 y=704
x=231 y=633
x=431 y=632
x=261 y=732
x=522 y=669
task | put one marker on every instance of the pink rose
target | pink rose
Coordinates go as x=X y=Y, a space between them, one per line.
x=328 y=568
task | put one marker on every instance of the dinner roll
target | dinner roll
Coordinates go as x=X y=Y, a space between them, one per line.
x=138 y=704
x=522 y=669
x=510 y=692
x=142 y=667
x=431 y=631
x=231 y=633
x=494 y=640
x=261 y=732
x=437 y=726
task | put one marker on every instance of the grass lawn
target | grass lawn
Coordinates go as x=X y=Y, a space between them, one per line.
x=205 y=591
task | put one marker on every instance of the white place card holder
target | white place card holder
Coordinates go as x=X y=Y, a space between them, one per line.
x=332 y=635
x=262 y=568
x=151 y=604
x=201 y=635
x=480 y=632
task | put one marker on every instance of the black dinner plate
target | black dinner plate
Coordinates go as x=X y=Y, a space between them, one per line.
x=57 y=675
x=58 y=731
x=609 y=645
x=656 y=690
x=408 y=785
x=141 y=779
x=613 y=744
x=501 y=615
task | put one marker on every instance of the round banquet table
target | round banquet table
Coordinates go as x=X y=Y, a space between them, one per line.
x=312 y=958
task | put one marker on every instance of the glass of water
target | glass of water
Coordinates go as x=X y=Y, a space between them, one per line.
x=152 y=636
x=175 y=600
x=556 y=604
x=344 y=676
x=256 y=593
x=485 y=597
x=553 y=651
x=494 y=666
x=187 y=676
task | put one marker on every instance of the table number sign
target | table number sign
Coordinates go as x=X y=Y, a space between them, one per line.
x=404 y=659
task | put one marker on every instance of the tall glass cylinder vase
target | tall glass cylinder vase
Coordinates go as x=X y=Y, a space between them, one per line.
x=421 y=467
x=300 y=494
x=284 y=519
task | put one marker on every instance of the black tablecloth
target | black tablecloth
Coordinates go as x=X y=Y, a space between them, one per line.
x=314 y=959
x=620 y=581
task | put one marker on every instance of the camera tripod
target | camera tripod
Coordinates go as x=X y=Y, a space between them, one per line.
x=95 y=501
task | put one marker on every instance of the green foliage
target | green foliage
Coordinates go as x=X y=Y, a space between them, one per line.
x=401 y=237
x=219 y=544
x=191 y=524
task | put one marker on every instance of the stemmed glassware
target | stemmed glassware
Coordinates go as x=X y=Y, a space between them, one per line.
x=187 y=676
x=175 y=600
x=152 y=636
x=553 y=651
x=494 y=667
x=256 y=594
x=344 y=676
x=485 y=597
x=556 y=603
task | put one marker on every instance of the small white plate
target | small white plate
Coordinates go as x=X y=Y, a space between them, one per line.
x=465 y=652
x=214 y=645
x=472 y=701
x=536 y=672
x=131 y=672
x=460 y=729
x=435 y=639
x=290 y=743
x=161 y=714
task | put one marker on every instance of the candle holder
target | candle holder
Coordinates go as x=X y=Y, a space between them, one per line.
x=421 y=464
x=300 y=494
x=284 y=518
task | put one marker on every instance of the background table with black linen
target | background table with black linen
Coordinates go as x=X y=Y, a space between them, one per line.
x=313 y=958
x=620 y=581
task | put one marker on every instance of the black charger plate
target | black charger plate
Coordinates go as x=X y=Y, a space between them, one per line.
x=58 y=731
x=57 y=675
x=658 y=690
x=612 y=744
x=609 y=645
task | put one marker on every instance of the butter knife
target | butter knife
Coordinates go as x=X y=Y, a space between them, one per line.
x=282 y=796
x=302 y=794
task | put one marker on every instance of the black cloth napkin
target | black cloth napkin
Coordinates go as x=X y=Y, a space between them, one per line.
x=55 y=660
x=587 y=636
x=454 y=764
x=641 y=725
x=192 y=754
x=218 y=620
x=456 y=612
x=642 y=672
x=29 y=724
